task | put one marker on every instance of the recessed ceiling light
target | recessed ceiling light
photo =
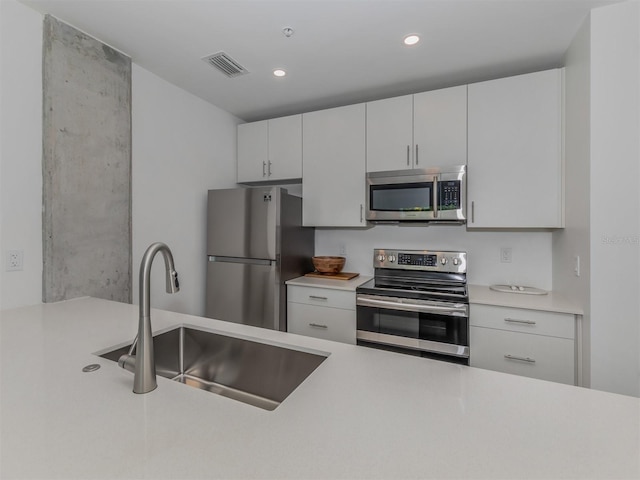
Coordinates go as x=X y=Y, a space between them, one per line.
x=278 y=72
x=411 y=39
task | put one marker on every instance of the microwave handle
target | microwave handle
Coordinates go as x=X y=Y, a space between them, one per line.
x=435 y=197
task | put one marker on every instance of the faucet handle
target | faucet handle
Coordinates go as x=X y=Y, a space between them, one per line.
x=128 y=362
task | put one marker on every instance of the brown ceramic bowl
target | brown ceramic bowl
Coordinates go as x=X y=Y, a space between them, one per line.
x=328 y=264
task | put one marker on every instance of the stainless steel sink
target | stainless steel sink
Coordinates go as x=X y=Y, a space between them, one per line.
x=252 y=372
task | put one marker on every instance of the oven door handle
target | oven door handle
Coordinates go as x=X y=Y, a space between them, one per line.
x=458 y=310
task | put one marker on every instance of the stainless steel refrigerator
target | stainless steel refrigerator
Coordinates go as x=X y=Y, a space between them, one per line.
x=255 y=243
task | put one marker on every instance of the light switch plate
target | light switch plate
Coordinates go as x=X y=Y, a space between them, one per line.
x=505 y=254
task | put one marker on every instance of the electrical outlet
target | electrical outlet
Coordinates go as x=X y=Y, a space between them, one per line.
x=342 y=250
x=505 y=254
x=14 y=260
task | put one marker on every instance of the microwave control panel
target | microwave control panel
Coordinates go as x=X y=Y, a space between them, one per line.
x=449 y=192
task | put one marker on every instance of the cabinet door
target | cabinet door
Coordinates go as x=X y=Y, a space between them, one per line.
x=322 y=297
x=390 y=134
x=322 y=322
x=538 y=322
x=515 y=152
x=333 y=163
x=253 y=145
x=285 y=148
x=440 y=127
x=529 y=355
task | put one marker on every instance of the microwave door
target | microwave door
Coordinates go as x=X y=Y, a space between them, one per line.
x=402 y=201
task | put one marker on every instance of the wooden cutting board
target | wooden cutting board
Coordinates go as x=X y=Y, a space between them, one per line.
x=333 y=276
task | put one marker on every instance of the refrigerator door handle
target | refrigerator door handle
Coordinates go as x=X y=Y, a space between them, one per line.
x=251 y=261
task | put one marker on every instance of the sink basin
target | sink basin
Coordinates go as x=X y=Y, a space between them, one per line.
x=247 y=370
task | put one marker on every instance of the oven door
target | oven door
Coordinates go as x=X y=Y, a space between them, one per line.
x=421 y=327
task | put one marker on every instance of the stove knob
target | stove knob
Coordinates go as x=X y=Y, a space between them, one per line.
x=456 y=261
x=443 y=260
x=392 y=258
x=381 y=258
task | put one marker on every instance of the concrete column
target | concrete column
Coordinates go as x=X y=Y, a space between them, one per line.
x=86 y=167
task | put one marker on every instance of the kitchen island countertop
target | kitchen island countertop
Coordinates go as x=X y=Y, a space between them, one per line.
x=363 y=413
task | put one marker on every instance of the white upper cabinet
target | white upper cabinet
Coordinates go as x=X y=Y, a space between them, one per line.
x=253 y=147
x=333 y=184
x=515 y=164
x=270 y=150
x=440 y=127
x=390 y=134
x=416 y=131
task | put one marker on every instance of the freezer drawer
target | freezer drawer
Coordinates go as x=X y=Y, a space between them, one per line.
x=244 y=293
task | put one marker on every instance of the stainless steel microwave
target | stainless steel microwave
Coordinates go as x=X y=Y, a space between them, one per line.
x=421 y=195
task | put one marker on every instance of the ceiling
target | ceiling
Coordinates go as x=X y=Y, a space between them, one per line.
x=341 y=51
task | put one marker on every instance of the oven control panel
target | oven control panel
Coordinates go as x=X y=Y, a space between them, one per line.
x=426 y=260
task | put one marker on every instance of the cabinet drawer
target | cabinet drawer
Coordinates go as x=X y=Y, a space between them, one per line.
x=327 y=323
x=324 y=297
x=536 y=356
x=522 y=320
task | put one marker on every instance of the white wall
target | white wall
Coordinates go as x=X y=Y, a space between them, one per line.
x=574 y=239
x=20 y=152
x=602 y=194
x=615 y=198
x=182 y=147
x=531 y=251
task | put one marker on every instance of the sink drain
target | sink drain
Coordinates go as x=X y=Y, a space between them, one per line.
x=91 y=368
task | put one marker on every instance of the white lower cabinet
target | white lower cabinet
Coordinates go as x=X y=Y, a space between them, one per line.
x=531 y=343
x=322 y=313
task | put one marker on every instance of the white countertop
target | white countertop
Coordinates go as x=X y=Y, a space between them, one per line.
x=551 y=302
x=363 y=413
x=349 y=285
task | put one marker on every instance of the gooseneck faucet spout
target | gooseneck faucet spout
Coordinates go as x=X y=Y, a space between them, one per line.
x=144 y=380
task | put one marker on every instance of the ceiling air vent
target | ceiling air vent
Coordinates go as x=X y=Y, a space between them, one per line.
x=225 y=64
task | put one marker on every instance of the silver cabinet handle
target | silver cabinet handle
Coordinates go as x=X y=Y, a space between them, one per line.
x=473 y=212
x=269 y=169
x=264 y=166
x=317 y=325
x=361 y=213
x=435 y=197
x=416 y=154
x=523 y=322
x=315 y=297
x=520 y=359
x=408 y=154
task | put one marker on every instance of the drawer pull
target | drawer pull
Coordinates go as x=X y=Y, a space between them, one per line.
x=523 y=322
x=316 y=297
x=317 y=325
x=521 y=359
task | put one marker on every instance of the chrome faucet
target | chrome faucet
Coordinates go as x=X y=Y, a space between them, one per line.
x=144 y=380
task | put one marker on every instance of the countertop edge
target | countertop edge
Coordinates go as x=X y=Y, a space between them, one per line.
x=551 y=302
x=348 y=285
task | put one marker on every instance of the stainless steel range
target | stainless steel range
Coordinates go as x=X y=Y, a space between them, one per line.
x=417 y=303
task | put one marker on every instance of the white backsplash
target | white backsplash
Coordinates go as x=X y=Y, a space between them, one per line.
x=531 y=251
